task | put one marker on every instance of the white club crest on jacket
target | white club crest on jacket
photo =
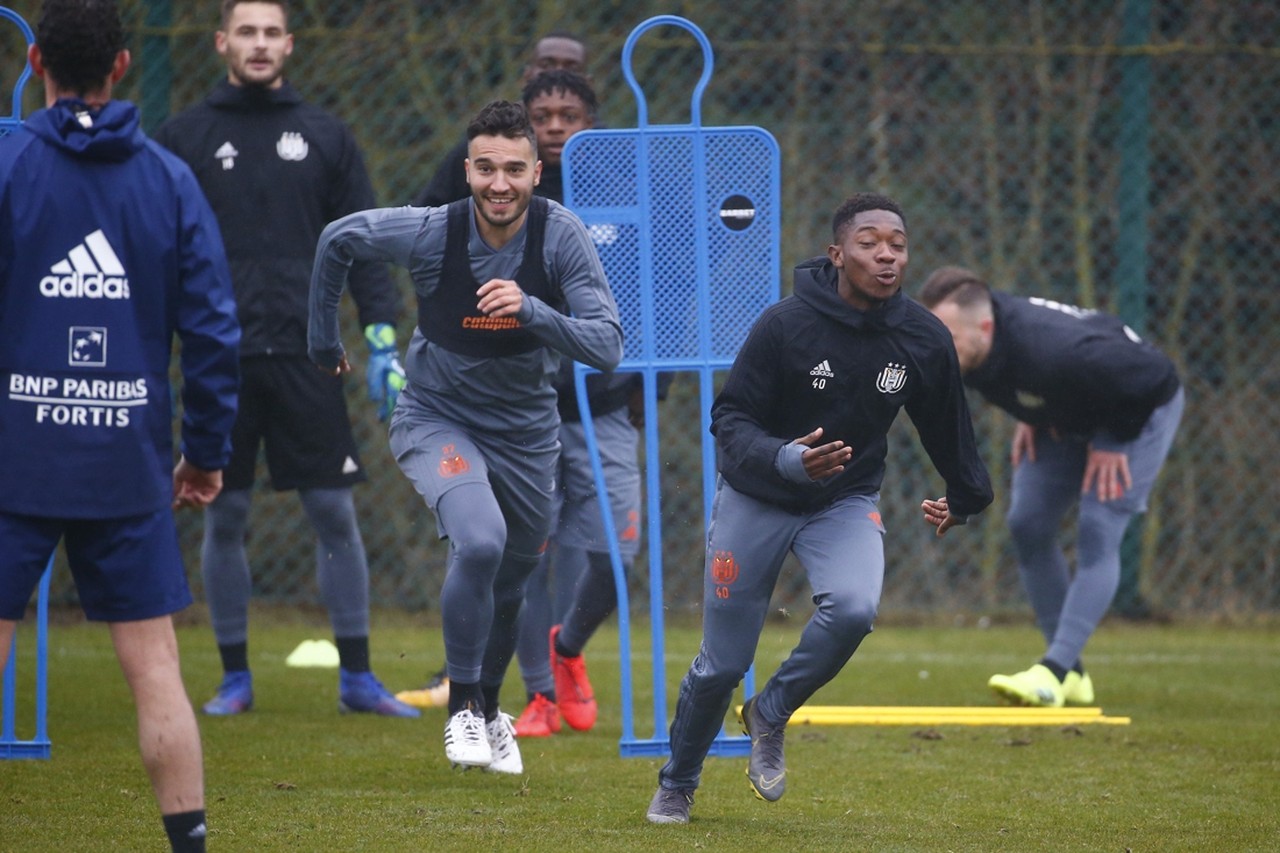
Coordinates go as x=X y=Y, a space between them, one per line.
x=291 y=146
x=892 y=378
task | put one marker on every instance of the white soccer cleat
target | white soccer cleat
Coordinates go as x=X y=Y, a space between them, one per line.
x=501 y=735
x=465 y=742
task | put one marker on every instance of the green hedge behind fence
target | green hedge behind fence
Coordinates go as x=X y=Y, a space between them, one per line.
x=1120 y=155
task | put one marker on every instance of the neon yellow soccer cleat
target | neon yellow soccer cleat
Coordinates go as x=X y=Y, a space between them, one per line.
x=1036 y=688
x=1077 y=689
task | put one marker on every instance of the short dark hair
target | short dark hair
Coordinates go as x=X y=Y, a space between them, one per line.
x=229 y=6
x=532 y=67
x=953 y=284
x=503 y=118
x=858 y=203
x=560 y=80
x=567 y=35
x=79 y=41
x=561 y=33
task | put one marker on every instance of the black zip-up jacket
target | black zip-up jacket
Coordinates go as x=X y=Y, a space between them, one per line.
x=1075 y=370
x=812 y=360
x=276 y=171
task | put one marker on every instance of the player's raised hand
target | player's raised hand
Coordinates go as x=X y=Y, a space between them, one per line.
x=823 y=460
x=500 y=297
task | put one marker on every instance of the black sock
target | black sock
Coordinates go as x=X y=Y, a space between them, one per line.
x=235 y=656
x=186 y=831
x=490 y=694
x=564 y=652
x=1059 y=672
x=549 y=695
x=461 y=695
x=353 y=653
x=1078 y=669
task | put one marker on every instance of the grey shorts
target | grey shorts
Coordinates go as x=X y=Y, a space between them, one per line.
x=581 y=524
x=437 y=455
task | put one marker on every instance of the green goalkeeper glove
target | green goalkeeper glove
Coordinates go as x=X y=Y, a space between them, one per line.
x=384 y=375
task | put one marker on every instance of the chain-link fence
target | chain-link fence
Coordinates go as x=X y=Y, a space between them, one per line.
x=1120 y=155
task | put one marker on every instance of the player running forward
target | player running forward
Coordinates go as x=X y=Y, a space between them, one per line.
x=801 y=428
x=507 y=284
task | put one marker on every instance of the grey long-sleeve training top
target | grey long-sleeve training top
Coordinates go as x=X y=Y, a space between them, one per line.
x=511 y=393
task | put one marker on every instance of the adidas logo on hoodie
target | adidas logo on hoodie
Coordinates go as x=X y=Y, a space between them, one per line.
x=90 y=271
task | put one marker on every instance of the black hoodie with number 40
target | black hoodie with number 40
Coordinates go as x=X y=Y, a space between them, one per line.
x=812 y=360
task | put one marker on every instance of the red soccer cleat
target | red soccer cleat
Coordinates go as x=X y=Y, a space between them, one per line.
x=574 y=696
x=541 y=718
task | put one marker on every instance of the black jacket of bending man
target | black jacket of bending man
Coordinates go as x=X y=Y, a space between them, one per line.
x=1074 y=370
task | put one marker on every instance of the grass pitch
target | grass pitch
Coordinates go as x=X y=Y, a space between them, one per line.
x=1198 y=769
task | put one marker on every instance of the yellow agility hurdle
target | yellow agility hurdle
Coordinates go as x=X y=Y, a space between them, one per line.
x=907 y=715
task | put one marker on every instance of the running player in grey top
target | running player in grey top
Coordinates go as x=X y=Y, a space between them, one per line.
x=832 y=364
x=506 y=285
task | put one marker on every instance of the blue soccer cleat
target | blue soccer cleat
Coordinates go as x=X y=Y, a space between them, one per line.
x=234 y=696
x=362 y=693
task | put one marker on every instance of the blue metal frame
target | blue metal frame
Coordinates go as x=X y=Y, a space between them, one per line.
x=649 y=363
x=39 y=746
x=15 y=116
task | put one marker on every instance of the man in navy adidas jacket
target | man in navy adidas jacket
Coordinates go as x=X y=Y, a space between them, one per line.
x=107 y=249
x=1097 y=411
x=801 y=427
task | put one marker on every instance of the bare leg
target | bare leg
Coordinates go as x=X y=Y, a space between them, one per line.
x=167 y=734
